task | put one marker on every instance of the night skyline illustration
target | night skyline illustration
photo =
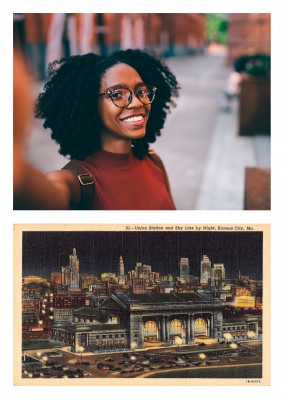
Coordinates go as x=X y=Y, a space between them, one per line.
x=99 y=251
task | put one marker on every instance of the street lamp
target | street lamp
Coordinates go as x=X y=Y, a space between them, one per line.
x=202 y=356
x=251 y=334
x=178 y=341
x=227 y=337
x=133 y=345
x=234 y=346
x=81 y=349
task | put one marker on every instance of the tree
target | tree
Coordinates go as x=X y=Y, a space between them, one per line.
x=217 y=28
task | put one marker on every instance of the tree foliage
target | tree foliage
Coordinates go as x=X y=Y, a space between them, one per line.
x=216 y=28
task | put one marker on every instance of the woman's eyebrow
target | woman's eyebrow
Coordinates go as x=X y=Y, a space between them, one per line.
x=124 y=85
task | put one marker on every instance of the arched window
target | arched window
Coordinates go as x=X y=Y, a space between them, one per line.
x=150 y=330
x=176 y=327
x=200 y=327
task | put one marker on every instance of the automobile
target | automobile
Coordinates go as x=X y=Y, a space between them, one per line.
x=52 y=354
x=46 y=375
x=105 y=368
x=45 y=368
x=213 y=360
x=86 y=373
x=112 y=367
x=194 y=363
x=115 y=369
x=109 y=359
x=70 y=374
x=86 y=363
x=50 y=363
x=57 y=367
x=79 y=373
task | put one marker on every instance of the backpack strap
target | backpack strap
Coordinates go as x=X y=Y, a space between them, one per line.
x=157 y=160
x=87 y=185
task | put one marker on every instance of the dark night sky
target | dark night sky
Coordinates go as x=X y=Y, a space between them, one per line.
x=98 y=252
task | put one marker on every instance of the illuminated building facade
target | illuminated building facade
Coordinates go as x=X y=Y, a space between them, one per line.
x=144 y=319
x=241 y=328
x=217 y=274
x=205 y=270
x=70 y=274
x=120 y=271
x=184 y=268
x=138 y=286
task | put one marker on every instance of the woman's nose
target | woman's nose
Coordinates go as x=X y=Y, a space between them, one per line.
x=135 y=102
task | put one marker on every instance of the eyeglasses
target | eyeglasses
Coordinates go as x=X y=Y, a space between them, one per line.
x=122 y=96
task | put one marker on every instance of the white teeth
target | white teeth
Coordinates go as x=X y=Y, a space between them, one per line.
x=133 y=119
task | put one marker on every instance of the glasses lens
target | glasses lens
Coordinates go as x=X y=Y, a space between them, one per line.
x=146 y=94
x=120 y=96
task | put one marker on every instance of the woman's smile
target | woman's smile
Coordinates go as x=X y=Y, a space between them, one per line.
x=128 y=123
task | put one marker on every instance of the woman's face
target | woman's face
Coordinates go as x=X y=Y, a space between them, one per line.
x=122 y=123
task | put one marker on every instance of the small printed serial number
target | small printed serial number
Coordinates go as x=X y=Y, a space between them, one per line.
x=252 y=380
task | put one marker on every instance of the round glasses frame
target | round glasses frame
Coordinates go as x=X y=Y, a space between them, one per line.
x=111 y=92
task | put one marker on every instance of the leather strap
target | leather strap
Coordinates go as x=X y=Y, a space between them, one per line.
x=87 y=185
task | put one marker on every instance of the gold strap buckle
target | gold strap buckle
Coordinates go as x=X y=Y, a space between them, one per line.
x=86 y=182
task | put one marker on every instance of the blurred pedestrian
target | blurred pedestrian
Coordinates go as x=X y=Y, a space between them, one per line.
x=36 y=28
x=61 y=37
x=104 y=112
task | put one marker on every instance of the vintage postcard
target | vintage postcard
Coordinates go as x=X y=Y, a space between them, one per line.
x=142 y=304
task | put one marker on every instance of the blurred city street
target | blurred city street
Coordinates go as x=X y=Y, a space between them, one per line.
x=200 y=146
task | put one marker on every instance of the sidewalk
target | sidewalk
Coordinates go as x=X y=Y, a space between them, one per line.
x=203 y=153
x=223 y=182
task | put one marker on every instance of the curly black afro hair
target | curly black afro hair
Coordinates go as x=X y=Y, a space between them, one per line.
x=69 y=102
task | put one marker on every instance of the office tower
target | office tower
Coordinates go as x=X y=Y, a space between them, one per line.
x=217 y=274
x=139 y=270
x=70 y=274
x=183 y=268
x=205 y=270
x=147 y=269
x=120 y=271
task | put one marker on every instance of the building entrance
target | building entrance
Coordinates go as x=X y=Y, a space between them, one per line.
x=200 y=327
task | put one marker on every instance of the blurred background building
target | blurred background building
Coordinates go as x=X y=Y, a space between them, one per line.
x=216 y=144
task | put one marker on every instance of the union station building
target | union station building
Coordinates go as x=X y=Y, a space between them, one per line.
x=125 y=321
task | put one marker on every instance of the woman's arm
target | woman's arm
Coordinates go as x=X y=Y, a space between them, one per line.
x=59 y=190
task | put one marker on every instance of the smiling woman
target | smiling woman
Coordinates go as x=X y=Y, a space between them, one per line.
x=104 y=112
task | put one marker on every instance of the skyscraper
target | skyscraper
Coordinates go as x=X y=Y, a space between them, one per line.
x=70 y=274
x=205 y=270
x=184 y=268
x=139 y=270
x=120 y=270
x=217 y=274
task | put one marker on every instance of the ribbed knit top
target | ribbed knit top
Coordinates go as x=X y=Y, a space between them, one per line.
x=123 y=182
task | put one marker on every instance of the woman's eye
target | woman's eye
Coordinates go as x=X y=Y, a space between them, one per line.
x=143 y=92
x=117 y=95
